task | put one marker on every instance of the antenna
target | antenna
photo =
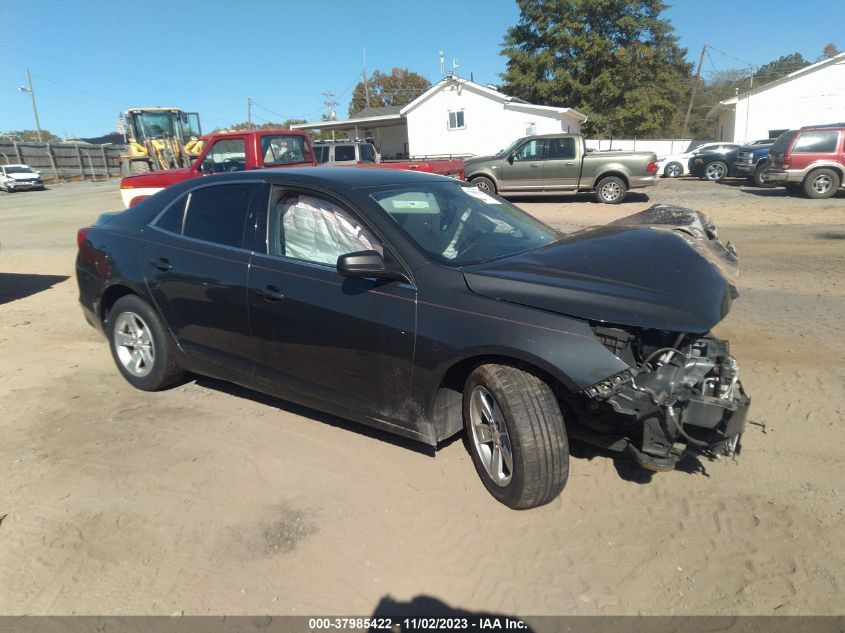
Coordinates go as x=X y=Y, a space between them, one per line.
x=442 y=64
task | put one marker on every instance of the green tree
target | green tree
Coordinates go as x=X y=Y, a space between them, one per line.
x=29 y=136
x=780 y=67
x=616 y=61
x=397 y=88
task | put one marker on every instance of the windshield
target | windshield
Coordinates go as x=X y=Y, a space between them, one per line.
x=152 y=125
x=18 y=170
x=512 y=146
x=459 y=225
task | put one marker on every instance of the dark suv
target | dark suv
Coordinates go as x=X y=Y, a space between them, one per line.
x=810 y=160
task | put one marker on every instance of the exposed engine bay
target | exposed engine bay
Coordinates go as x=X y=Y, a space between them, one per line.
x=682 y=392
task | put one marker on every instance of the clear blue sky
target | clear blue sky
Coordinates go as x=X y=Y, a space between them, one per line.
x=90 y=59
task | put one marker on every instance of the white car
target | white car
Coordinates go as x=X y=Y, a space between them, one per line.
x=675 y=165
x=19 y=177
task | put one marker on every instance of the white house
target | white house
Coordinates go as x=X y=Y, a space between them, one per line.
x=809 y=96
x=457 y=116
x=454 y=117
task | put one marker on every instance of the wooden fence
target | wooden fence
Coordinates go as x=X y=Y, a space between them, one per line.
x=65 y=161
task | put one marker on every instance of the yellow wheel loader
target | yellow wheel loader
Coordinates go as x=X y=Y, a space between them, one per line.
x=160 y=138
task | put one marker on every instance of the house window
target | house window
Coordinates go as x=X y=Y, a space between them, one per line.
x=456 y=120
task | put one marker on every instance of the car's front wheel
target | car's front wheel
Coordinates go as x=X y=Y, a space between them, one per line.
x=516 y=436
x=716 y=171
x=141 y=347
x=484 y=183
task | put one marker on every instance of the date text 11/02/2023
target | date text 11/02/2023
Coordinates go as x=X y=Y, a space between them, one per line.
x=477 y=623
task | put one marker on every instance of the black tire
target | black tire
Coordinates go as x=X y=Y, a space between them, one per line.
x=533 y=427
x=673 y=170
x=611 y=190
x=139 y=167
x=160 y=368
x=757 y=178
x=821 y=183
x=484 y=183
x=716 y=171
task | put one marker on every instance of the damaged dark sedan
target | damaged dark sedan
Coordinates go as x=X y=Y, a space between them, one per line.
x=426 y=307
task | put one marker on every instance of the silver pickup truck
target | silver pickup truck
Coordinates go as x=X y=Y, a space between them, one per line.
x=561 y=164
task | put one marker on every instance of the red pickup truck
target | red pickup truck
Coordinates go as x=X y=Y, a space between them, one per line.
x=255 y=149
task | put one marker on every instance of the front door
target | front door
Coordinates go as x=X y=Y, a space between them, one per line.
x=347 y=341
x=525 y=172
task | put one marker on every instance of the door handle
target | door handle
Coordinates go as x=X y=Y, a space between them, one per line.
x=570 y=164
x=162 y=263
x=534 y=165
x=270 y=293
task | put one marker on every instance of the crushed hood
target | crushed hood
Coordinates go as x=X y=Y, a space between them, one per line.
x=663 y=268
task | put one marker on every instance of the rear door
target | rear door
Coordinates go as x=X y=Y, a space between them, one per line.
x=525 y=171
x=196 y=267
x=562 y=167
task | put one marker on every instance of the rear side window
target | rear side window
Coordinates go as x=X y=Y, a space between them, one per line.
x=321 y=153
x=218 y=214
x=368 y=153
x=816 y=143
x=171 y=220
x=562 y=148
x=283 y=149
x=344 y=152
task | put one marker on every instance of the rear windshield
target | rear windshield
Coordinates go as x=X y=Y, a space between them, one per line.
x=783 y=142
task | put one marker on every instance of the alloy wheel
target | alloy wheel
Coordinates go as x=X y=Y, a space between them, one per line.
x=134 y=344
x=490 y=438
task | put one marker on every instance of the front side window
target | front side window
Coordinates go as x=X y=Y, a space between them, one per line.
x=532 y=150
x=218 y=214
x=816 y=143
x=459 y=225
x=283 y=149
x=316 y=230
x=456 y=120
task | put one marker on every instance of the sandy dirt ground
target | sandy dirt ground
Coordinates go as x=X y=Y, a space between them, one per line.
x=209 y=499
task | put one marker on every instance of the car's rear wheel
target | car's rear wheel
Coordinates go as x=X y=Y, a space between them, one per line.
x=821 y=183
x=515 y=435
x=716 y=171
x=611 y=190
x=142 y=349
x=484 y=183
x=673 y=170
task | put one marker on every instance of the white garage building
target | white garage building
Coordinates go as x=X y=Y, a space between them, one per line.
x=810 y=96
x=455 y=117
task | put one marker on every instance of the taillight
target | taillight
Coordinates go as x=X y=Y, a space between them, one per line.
x=81 y=235
x=785 y=160
x=652 y=167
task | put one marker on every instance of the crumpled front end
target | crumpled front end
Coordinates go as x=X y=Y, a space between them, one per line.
x=682 y=392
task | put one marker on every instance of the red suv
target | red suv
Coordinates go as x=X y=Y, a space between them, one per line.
x=810 y=160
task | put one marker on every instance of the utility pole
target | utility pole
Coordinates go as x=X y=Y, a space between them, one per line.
x=249 y=112
x=748 y=103
x=31 y=93
x=694 y=88
x=330 y=104
x=366 y=86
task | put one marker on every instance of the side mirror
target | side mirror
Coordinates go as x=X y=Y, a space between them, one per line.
x=368 y=264
x=510 y=158
x=207 y=166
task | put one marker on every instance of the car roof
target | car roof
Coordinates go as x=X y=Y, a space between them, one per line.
x=352 y=177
